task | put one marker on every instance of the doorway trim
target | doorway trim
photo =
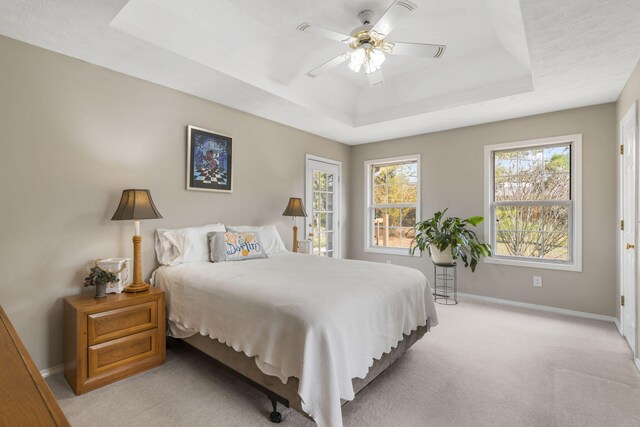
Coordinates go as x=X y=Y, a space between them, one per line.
x=631 y=112
x=338 y=163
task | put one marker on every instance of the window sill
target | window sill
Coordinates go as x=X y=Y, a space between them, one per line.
x=390 y=251
x=577 y=267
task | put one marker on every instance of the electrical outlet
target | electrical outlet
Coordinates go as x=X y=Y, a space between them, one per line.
x=537 y=281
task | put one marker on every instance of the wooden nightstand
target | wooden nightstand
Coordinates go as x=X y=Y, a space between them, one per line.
x=112 y=338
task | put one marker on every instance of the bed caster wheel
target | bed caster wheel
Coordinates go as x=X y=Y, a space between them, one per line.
x=275 y=417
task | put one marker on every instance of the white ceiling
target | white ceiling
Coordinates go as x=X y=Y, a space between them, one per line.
x=504 y=58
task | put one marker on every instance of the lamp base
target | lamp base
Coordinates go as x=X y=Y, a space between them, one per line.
x=136 y=287
x=294 y=247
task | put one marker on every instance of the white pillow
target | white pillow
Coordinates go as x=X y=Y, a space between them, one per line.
x=180 y=245
x=165 y=251
x=269 y=236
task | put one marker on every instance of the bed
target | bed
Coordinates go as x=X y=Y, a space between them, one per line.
x=309 y=331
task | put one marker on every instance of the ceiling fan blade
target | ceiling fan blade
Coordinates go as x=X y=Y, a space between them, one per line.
x=328 y=65
x=418 y=49
x=399 y=10
x=323 y=32
x=375 y=79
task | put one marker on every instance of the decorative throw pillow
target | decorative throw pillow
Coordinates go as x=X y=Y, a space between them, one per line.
x=234 y=246
x=269 y=236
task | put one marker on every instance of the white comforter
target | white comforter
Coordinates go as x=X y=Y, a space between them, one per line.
x=321 y=320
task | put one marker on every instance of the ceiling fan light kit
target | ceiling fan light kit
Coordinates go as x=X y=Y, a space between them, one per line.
x=368 y=57
x=368 y=44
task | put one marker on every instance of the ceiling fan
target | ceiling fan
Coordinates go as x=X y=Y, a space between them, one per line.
x=369 y=45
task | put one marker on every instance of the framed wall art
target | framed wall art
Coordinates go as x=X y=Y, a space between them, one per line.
x=209 y=160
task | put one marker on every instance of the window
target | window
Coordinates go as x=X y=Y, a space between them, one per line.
x=533 y=203
x=392 y=204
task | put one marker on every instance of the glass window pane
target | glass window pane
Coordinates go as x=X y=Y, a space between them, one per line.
x=316 y=181
x=408 y=233
x=322 y=241
x=530 y=161
x=329 y=241
x=409 y=192
x=316 y=243
x=394 y=237
x=329 y=199
x=506 y=163
x=529 y=187
x=529 y=244
x=408 y=217
x=557 y=186
x=506 y=243
x=395 y=180
x=320 y=202
x=380 y=194
x=409 y=178
x=410 y=172
x=380 y=217
x=556 y=218
x=379 y=174
x=506 y=218
x=506 y=188
x=556 y=246
x=322 y=221
x=557 y=159
x=329 y=221
x=329 y=182
x=379 y=227
x=529 y=218
x=380 y=236
x=394 y=216
x=323 y=181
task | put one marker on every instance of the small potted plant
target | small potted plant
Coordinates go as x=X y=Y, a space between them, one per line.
x=100 y=278
x=448 y=238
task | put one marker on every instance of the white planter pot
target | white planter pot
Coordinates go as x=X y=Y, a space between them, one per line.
x=441 y=257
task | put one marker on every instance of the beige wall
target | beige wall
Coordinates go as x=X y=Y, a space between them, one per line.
x=452 y=176
x=628 y=96
x=73 y=136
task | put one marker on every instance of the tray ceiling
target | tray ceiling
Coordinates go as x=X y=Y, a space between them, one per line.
x=504 y=58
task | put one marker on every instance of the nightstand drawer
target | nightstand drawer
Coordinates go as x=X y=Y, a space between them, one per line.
x=121 y=322
x=122 y=351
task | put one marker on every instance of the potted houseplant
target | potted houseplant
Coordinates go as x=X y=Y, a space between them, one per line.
x=100 y=278
x=449 y=238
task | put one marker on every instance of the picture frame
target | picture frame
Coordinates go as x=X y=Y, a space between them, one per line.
x=209 y=160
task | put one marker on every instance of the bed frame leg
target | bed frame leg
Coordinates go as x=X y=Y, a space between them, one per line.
x=275 y=416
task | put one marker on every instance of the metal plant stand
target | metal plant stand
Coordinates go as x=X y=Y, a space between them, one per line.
x=445 y=290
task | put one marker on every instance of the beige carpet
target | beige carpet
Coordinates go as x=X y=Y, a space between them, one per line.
x=484 y=365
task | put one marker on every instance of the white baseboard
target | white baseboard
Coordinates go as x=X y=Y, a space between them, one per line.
x=617 y=322
x=51 y=371
x=541 y=307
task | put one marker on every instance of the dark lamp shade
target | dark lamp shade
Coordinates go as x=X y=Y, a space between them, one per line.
x=136 y=205
x=295 y=208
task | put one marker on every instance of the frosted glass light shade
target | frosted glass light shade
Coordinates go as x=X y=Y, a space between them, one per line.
x=358 y=57
x=368 y=57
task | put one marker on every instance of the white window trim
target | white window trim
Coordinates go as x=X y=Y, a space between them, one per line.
x=368 y=247
x=576 y=192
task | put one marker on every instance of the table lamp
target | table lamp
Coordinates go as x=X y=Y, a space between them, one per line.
x=136 y=205
x=294 y=209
